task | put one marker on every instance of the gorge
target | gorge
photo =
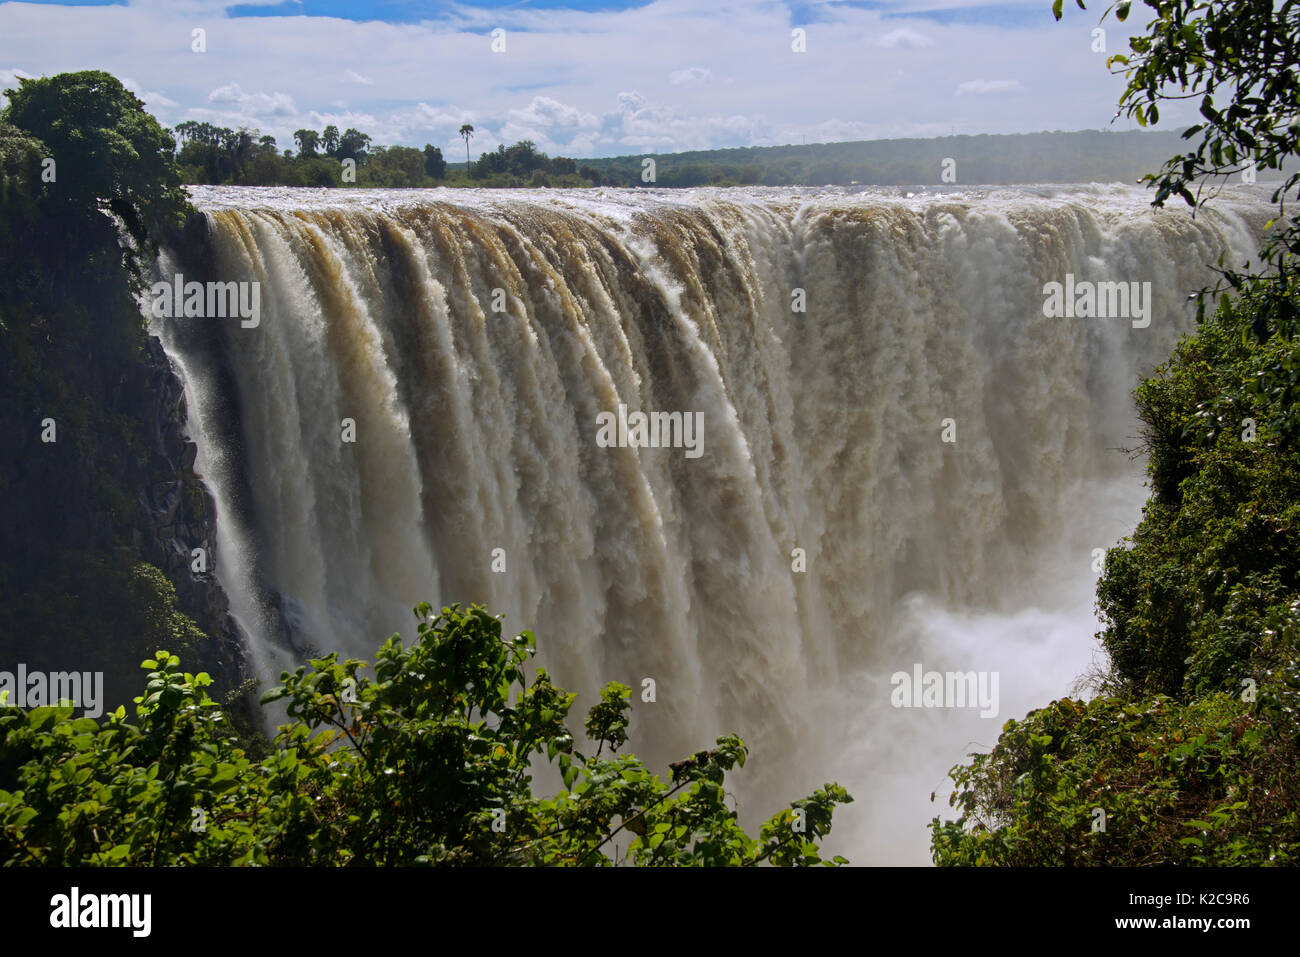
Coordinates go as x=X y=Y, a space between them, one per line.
x=833 y=528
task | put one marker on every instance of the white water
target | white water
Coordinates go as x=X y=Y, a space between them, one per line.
x=822 y=431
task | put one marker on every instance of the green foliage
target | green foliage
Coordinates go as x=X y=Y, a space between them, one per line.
x=109 y=152
x=428 y=762
x=106 y=613
x=20 y=168
x=394 y=166
x=306 y=140
x=113 y=793
x=1211 y=782
x=607 y=722
x=435 y=167
x=1218 y=549
x=215 y=155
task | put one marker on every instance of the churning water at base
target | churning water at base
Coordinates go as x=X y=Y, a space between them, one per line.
x=825 y=537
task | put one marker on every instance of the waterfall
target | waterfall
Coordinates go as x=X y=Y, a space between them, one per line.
x=903 y=458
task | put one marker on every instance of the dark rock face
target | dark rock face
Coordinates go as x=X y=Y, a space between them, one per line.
x=178 y=524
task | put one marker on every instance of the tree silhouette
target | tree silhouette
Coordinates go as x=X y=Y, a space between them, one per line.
x=306 y=140
x=467 y=132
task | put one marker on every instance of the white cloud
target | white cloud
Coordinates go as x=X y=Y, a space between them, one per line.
x=548 y=112
x=253 y=104
x=984 y=87
x=694 y=74
x=578 y=83
x=151 y=98
x=630 y=102
x=904 y=39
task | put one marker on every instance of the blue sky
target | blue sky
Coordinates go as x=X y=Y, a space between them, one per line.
x=588 y=77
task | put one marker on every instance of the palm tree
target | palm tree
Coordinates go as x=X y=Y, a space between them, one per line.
x=466 y=133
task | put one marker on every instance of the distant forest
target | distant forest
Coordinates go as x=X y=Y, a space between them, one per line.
x=216 y=155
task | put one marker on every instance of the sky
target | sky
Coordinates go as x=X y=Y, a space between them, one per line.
x=588 y=78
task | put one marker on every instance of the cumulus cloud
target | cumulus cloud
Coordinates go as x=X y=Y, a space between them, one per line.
x=985 y=87
x=546 y=112
x=630 y=102
x=253 y=104
x=694 y=74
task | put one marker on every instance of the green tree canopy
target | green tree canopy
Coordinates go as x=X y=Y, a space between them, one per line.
x=434 y=164
x=109 y=152
x=307 y=141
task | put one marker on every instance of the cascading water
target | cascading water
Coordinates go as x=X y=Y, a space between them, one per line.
x=835 y=526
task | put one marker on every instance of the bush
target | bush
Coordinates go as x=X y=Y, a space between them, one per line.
x=428 y=762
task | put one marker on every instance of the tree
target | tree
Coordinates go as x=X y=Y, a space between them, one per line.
x=109 y=153
x=330 y=140
x=353 y=145
x=307 y=141
x=434 y=165
x=467 y=133
x=395 y=166
x=242 y=149
x=428 y=763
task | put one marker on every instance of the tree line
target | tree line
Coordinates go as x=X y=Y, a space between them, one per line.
x=216 y=155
